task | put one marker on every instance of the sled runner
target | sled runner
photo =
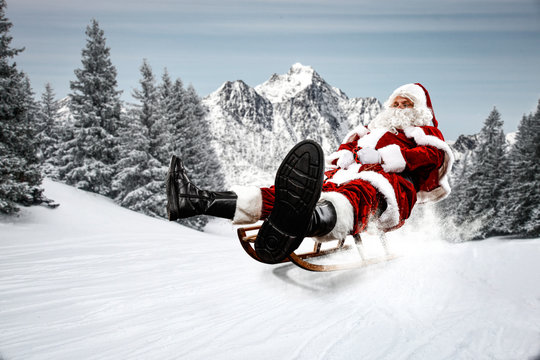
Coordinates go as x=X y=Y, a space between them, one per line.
x=248 y=234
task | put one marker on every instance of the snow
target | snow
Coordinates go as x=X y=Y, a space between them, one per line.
x=511 y=138
x=254 y=128
x=91 y=280
x=283 y=87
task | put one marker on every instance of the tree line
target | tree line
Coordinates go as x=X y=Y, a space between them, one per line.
x=122 y=150
x=112 y=148
x=496 y=186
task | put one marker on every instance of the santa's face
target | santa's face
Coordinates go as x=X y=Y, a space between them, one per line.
x=401 y=102
x=400 y=115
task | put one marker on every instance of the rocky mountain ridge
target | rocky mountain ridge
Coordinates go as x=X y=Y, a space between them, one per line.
x=254 y=127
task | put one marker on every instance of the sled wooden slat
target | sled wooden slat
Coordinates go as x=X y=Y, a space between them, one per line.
x=336 y=267
x=247 y=242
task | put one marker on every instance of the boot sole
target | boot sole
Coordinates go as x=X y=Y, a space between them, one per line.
x=172 y=192
x=298 y=188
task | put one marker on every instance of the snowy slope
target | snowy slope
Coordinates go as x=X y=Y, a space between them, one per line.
x=91 y=280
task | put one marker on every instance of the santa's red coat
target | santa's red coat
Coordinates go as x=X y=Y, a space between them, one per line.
x=415 y=165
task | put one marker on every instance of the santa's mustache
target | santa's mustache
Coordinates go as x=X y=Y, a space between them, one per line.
x=395 y=118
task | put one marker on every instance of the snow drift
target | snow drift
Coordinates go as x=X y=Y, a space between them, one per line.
x=91 y=280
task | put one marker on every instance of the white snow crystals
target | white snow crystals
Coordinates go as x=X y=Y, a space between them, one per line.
x=280 y=88
x=92 y=280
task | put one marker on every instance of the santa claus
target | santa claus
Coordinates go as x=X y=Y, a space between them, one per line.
x=378 y=173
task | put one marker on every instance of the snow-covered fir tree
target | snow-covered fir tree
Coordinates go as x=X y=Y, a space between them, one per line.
x=147 y=109
x=89 y=159
x=190 y=138
x=139 y=182
x=475 y=199
x=20 y=173
x=48 y=134
x=201 y=143
x=463 y=149
x=520 y=202
x=168 y=108
x=64 y=130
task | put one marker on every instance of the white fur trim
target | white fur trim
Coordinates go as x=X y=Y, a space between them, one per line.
x=248 y=205
x=358 y=131
x=345 y=216
x=390 y=217
x=371 y=139
x=412 y=92
x=328 y=160
x=393 y=160
x=346 y=175
x=421 y=138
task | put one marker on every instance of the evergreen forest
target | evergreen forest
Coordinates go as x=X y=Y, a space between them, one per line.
x=122 y=150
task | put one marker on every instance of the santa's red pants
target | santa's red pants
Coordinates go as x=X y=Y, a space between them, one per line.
x=363 y=197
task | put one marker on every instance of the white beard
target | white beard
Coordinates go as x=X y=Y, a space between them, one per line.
x=393 y=119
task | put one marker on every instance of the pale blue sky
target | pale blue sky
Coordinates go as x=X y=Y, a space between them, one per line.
x=470 y=54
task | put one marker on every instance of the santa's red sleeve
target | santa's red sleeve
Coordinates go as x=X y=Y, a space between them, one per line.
x=332 y=159
x=349 y=143
x=423 y=163
x=423 y=157
x=348 y=146
x=431 y=161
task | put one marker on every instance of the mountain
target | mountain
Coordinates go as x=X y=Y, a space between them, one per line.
x=64 y=115
x=463 y=148
x=254 y=128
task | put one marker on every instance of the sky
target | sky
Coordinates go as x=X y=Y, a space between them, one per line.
x=472 y=55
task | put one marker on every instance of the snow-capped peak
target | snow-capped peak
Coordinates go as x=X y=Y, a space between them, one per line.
x=282 y=87
x=298 y=68
x=230 y=86
x=235 y=91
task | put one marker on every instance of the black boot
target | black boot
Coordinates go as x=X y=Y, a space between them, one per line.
x=298 y=188
x=323 y=220
x=184 y=199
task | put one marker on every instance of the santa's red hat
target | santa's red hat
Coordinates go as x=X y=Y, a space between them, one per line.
x=418 y=94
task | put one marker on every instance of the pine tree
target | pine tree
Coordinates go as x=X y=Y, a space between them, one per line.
x=20 y=174
x=89 y=158
x=457 y=225
x=148 y=108
x=175 y=104
x=64 y=130
x=520 y=202
x=196 y=149
x=189 y=138
x=139 y=183
x=200 y=143
x=48 y=132
x=170 y=104
x=485 y=183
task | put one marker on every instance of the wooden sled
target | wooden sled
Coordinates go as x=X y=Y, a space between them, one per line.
x=247 y=236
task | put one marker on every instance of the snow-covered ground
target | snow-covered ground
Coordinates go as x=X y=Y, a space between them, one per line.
x=91 y=280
